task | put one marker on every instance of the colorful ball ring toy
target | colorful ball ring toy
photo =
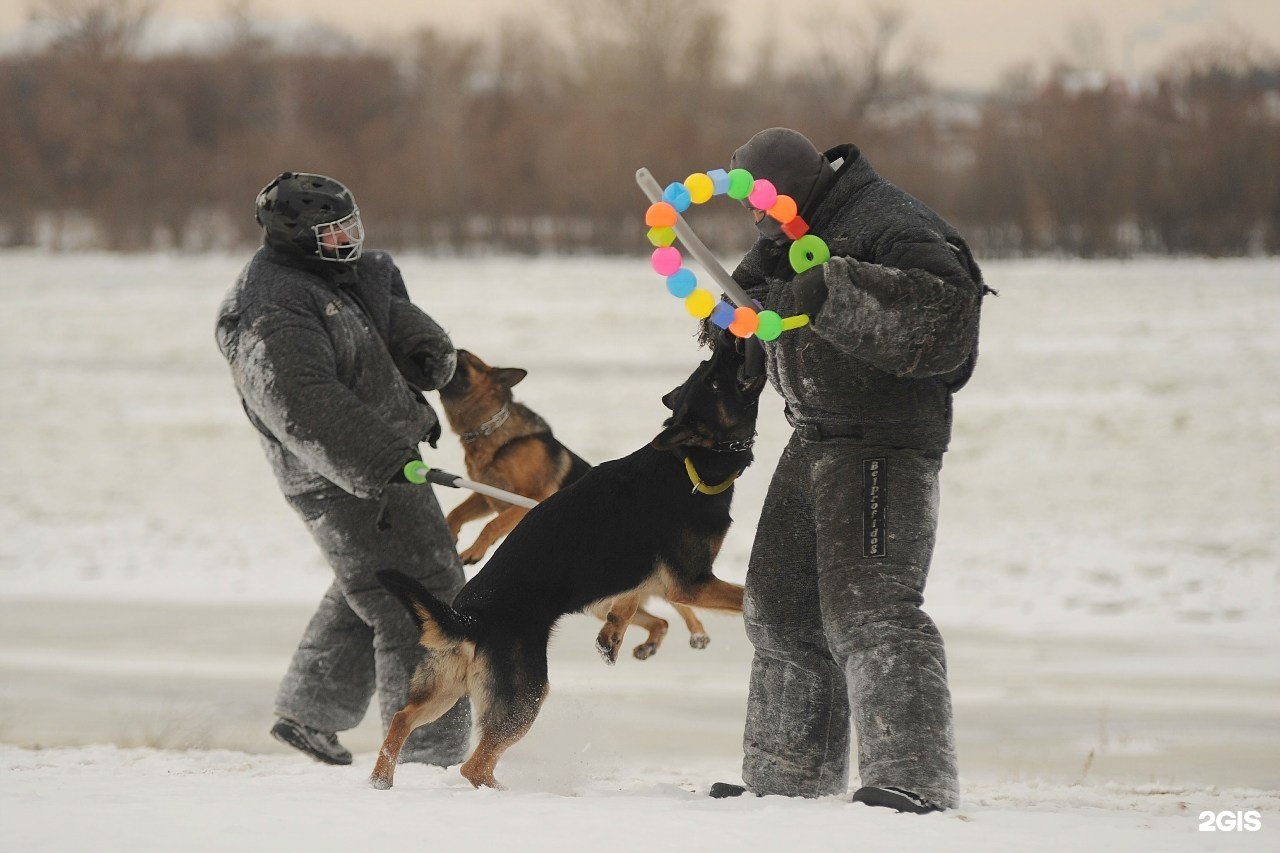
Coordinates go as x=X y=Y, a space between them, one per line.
x=807 y=250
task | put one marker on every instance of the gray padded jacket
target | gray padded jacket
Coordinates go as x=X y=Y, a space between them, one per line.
x=329 y=361
x=898 y=333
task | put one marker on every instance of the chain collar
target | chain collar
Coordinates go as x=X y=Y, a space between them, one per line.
x=734 y=446
x=489 y=427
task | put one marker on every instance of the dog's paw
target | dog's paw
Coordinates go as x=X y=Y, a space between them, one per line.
x=644 y=651
x=478 y=778
x=379 y=783
x=471 y=556
x=699 y=641
x=608 y=651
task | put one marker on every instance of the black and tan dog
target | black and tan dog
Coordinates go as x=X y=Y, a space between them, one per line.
x=648 y=524
x=508 y=445
x=504 y=444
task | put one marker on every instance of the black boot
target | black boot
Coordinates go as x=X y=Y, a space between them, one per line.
x=724 y=790
x=322 y=746
x=894 y=798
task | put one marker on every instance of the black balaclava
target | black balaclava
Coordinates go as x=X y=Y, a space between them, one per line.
x=789 y=161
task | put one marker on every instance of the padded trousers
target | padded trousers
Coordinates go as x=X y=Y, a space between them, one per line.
x=833 y=609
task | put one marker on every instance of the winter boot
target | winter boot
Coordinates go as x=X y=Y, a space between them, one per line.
x=724 y=790
x=322 y=746
x=894 y=798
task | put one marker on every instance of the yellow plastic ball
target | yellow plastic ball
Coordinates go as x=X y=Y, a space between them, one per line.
x=700 y=187
x=700 y=303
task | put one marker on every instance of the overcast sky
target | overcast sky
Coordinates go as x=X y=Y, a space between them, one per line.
x=970 y=41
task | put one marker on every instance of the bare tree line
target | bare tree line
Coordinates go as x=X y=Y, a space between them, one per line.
x=528 y=142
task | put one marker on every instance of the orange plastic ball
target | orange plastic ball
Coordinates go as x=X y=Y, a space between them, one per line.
x=745 y=322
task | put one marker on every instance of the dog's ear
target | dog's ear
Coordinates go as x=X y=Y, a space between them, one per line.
x=673 y=436
x=509 y=376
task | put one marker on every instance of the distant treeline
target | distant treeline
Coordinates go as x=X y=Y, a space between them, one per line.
x=529 y=142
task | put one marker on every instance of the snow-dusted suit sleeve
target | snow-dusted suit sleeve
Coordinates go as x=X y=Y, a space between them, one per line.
x=284 y=368
x=421 y=349
x=915 y=314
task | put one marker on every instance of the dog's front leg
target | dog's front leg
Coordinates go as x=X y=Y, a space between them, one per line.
x=620 y=614
x=657 y=628
x=715 y=594
x=698 y=636
x=472 y=508
x=500 y=526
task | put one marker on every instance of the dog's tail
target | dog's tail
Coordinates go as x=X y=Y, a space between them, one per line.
x=440 y=624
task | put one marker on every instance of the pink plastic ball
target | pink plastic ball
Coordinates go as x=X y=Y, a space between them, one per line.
x=763 y=195
x=666 y=260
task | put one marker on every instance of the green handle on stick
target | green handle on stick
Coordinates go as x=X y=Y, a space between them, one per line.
x=420 y=472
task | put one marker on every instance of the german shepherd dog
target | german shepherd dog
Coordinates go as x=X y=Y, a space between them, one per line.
x=507 y=445
x=648 y=524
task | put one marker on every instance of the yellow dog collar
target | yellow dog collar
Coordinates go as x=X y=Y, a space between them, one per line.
x=699 y=486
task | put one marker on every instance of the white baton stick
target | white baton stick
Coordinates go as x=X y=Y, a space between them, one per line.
x=422 y=473
x=694 y=245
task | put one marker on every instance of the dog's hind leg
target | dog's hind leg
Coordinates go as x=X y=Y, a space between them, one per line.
x=479 y=768
x=415 y=714
x=500 y=526
x=472 y=508
x=621 y=612
x=506 y=703
x=698 y=636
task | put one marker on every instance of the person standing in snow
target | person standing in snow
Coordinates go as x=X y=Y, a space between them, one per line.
x=330 y=359
x=837 y=571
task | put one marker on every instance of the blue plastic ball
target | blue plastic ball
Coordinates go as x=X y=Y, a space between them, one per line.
x=681 y=283
x=677 y=195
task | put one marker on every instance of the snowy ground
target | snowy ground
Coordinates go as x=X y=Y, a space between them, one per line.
x=1108 y=575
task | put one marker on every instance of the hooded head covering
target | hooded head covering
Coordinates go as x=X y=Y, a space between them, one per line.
x=791 y=163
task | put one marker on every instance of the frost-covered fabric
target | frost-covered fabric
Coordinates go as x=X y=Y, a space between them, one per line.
x=329 y=361
x=329 y=373
x=899 y=329
x=361 y=640
x=835 y=629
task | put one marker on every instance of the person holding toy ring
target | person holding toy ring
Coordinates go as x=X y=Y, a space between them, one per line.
x=836 y=578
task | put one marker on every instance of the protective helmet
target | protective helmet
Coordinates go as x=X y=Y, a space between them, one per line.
x=790 y=162
x=311 y=215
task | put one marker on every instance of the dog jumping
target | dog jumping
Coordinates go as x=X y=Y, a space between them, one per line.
x=507 y=445
x=650 y=523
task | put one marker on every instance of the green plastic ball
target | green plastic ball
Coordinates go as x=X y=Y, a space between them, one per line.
x=770 y=326
x=740 y=183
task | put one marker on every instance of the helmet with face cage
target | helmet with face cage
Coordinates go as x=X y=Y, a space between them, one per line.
x=311 y=215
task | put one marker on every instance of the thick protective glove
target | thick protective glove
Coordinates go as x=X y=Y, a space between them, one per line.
x=810 y=290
